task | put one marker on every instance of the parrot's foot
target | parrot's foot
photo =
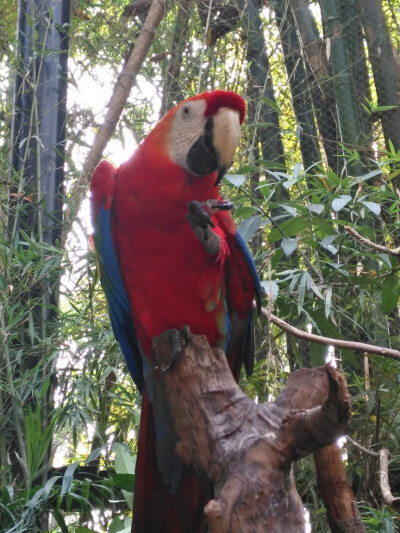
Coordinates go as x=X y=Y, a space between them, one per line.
x=199 y=218
x=177 y=340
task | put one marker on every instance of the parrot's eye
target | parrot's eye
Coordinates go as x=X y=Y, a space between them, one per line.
x=186 y=111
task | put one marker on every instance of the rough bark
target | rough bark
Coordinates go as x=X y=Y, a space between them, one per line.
x=246 y=449
x=341 y=507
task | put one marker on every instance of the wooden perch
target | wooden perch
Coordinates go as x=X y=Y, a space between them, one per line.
x=247 y=449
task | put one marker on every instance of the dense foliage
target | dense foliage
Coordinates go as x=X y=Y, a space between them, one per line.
x=320 y=153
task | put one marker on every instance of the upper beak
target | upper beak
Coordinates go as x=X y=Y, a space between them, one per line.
x=225 y=138
x=214 y=150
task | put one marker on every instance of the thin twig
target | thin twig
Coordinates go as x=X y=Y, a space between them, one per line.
x=370 y=244
x=362 y=448
x=338 y=343
x=383 y=454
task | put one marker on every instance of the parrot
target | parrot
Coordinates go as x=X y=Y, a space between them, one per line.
x=171 y=257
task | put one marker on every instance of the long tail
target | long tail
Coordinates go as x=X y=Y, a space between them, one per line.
x=155 y=509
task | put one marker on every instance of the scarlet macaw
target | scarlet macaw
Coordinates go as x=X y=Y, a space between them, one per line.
x=170 y=256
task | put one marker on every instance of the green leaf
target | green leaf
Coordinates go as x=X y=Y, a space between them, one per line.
x=7 y=495
x=271 y=103
x=249 y=227
x=124 y=460
x=68 y=478
x=317 y=354
x=124 y=481
x=302 y=292
x=125 y=464
x=390 y=294
x=288 y=228
x=116 y=525
x=59 y=519
x=327 y=243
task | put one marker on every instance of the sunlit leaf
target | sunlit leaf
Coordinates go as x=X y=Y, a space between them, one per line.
x=235 y=179
x=339 y=203
x=289 y=245
x=327 y=243
x=271 y=289
x=373 y=207
x=328 y=301
x=316 y=208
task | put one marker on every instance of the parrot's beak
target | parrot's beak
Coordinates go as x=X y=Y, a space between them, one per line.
x=215 y=149
x=226 y=138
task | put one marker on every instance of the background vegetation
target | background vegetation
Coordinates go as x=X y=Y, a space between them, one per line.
x=320 y=152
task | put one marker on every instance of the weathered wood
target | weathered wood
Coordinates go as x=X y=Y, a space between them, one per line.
x=246 y=449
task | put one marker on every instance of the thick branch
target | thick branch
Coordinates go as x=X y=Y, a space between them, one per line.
x=246 y=449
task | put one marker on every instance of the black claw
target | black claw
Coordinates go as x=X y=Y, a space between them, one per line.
x=185 y=336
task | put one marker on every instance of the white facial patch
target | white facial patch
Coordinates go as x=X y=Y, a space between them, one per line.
x=187 y=127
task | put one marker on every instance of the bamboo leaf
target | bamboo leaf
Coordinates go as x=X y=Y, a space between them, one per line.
x=68 y=478
x=271 y=289
x=289 y=245
x=373 y=207
x=249 y=227
x=339 y=203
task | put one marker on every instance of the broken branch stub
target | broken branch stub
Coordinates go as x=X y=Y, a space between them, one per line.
x=246 y=449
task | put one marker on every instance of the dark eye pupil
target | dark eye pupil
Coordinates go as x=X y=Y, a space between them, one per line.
x=186 y=110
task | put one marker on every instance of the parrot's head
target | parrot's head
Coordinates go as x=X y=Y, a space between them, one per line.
x=201 y=134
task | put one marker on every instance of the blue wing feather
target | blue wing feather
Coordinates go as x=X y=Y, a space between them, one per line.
x=246 y=343
x=117 y=298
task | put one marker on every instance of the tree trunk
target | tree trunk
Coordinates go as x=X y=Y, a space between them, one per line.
x=172 y=93
x=245 y=449
x=36 y=196
x=386 y=74
x=299 y=89
x=352 y=32
x=343 y=83
x=319 y=82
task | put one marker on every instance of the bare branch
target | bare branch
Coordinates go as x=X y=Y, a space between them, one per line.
x=123 y=87
x=370 y=244
x=384 y=480
x=362 y=448
x=383 y=454
x=328 y=341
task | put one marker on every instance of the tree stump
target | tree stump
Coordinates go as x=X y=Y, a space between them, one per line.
x=246 y=449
